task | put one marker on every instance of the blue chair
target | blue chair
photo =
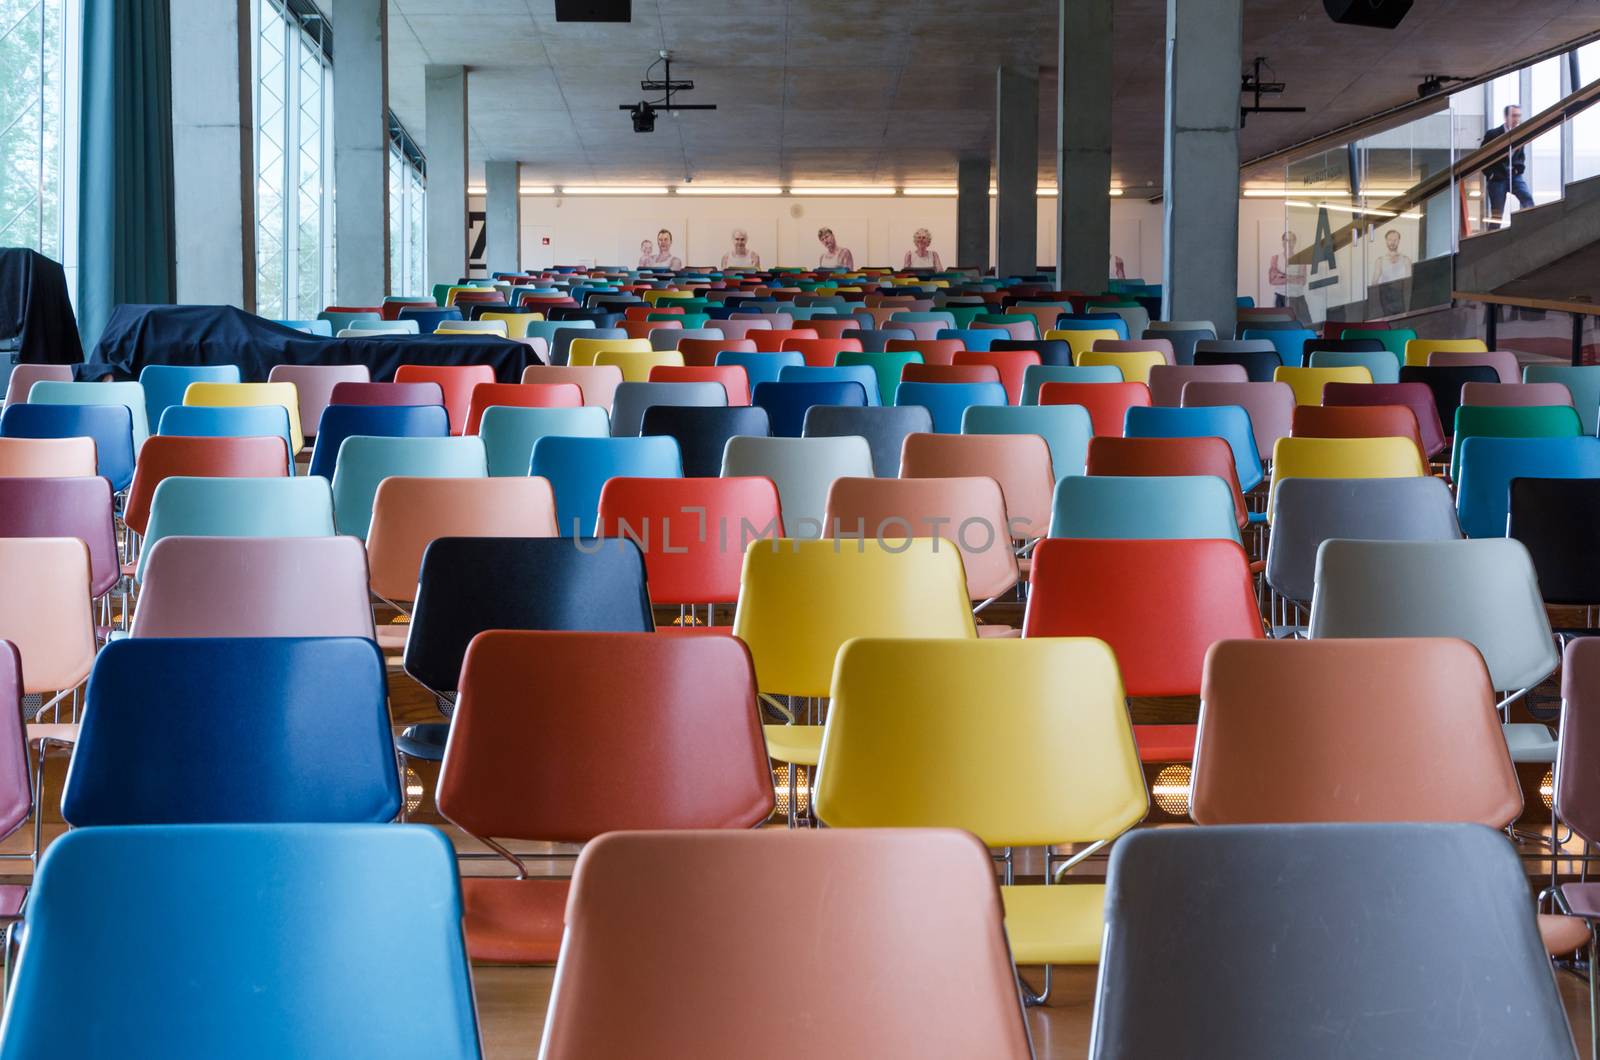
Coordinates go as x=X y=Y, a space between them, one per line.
x=1488 y=464
x=339 y=422
x=978 y=339
x=375 y=967
x=1154 y=507
x=761 y=367
x=1231 y=423
x=948 y=402
x=1289 y=342
x=1582 y=382
x=184 y=506
x=1244 y=301
x=252 y=731
x=1037 y=375
x=129 y=395
x=427 y=319
x=786 y=403
x=1092 y=322
x=1384 y=366
x=363 y=462
x=228 y=421
x=111 y=427
x=509 y=433
x=875 y=340
x=860 y=373
x=579 y=467
x=319 y=326
x=164 y=384
x=1066 y=429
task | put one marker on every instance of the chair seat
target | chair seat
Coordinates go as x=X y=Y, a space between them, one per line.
x=509 y=921
x=1165 y=743
x=1530 y=742
x=1055 y=924
x=800 y=744
x=11 y=898
x=393 y=637
x=424 y=741
x=1563 y=934
x=56 y=732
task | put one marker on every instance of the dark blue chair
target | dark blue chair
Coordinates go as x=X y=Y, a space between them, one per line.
x=1093 y=322
x=703 y=433
x=1488 y=466
x=111 y=427
x=385 y=421
x=876 y=340
x=786 y=403
x=760 y=367
x=1051 y=351
x=1231 y=423
x=948 y=402
x=282 y=940
x=429 y=319
x=234 y=730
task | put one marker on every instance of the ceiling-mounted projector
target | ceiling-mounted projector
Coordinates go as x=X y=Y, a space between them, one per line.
x=644 y=117
x=594 y=10
x=644 y=112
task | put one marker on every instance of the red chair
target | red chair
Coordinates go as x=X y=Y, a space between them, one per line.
x=692 y=531
x=1106 y=403
x=1356 y=421
x=391 y=310
x=1159 y=604
x=702 y=353
x=934 y=351
x=164 y=456
x=1010 y=364
x=522 y=396
x=386 y=394
x=949 y=373
x=735 y=383
x=833 y=329
x=1137 y=457
x=640 y=312
x=641 y=329
x=772 y=340
x=455 y=381
x=627 y=731
x=1418 y=397
x=821 y=353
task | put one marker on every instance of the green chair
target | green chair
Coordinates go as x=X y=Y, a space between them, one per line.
x=509 y=433
x=364 y=461
x=1511 y=421
x=888 y=366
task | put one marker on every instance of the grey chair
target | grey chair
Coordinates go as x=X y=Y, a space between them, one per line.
x=884 y=427
x=803 y=469
x=668 y=338
x=1483 y=590
x=874 y=340
x=1272 y=940
x=631 y=399
x=561 y=339
x=1183 y=339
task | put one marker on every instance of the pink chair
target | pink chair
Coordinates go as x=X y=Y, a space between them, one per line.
x=314 y=384
x=833 y=329
x=46 y=457
x=597 y=382
x=1019 y=329
x=1270 y=405
x=1521 y=394
x=922 y=329
x=1168 y=380
x=1504 y=362
x=23 y=376
x=46 y=612
x=426 y=393
x=65 y=507
x=738 y=328
x=16 y=790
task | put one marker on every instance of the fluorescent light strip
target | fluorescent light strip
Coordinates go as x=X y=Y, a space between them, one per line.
x=929 y=192
x=537 y=189
x=690 y=189
x=843 y=191
x=612 y=190
x=477 y=189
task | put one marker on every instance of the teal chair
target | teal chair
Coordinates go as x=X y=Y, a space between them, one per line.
x=320 y=327
x=912 y=316
x=965 y=314
x=164 y=384
x=228 y=421
x=340 y=319
x=578 y=468
x=1164 y=507
x=887 y=367
x=1514 y=421
x=1394 y=339
x=761 y=367
x=1582 y=381
x=130 y=395
x=948 y=402
x=1489 y=465
x=1065 y=428
x=806 y=373
x=1037 y=375
x=979 y=339
x=1289 y=342
x=1384 y=366
x=380 y=968
x=509 y=433
x=366 y=460
x=238 y=507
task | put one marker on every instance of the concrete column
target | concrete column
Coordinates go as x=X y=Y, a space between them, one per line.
x=1201 y=172
x=361 y=151
x=213 y=152
x=1016 y=172
x=1083 y=146
x=503 y=216
x=972 y=213
x=446 y=108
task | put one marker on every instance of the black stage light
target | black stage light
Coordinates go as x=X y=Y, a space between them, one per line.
x=644 y=117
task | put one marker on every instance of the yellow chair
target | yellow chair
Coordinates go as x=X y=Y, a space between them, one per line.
x=657 y=297
x=1023 y=743
x=1134 y=365
x=1081 y=342
x=800 y=600
x=1307 y=383
x=583 y=351
x=1417 y=350
x=241 y=394
x=635 y=365
x=473 y=327
x=1342 y=458
x=516 y=323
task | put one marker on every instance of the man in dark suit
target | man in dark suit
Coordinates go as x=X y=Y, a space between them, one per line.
x=1506 y=173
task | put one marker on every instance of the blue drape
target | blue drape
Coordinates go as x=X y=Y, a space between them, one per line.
x=126 y=239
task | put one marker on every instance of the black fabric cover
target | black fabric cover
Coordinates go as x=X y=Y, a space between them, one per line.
x=1555 y=518
x=36 y=309
x=138 y=335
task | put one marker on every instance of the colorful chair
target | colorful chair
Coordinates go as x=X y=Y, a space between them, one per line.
x=1146 y=507
x=78 y=508
x=313 y=383
x=1231 y=423
x=947 y=403
x=1418 y=351
x=231 y=395
x=1342 y=458
x=803 y=469
x=1489 y=466
x=702 y=433
x=365 y=461
x=509 y=433
x=1066 y=429
x=786 y=403
x=519 y=395
x=340 y=422
x=1414 y=396
x=164 y=384
x=1020 y=463
x=456 y=382
x=1487 y=421
x=1106 y=403
x=46 y=457
x=129 y=395
x=106 y=426
x=598 y=383
x=885 y=429
x=577 y=469
x=238 y=507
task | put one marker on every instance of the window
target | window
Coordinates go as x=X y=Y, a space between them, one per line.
x=33 y=126
x=1585 y=138
x=294 y=174
x=408 y=241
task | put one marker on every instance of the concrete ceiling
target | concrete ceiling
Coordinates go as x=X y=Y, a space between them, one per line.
x=891 y=91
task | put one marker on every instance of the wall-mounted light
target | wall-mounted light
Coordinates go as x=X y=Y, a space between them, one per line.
x=835 y=190
x=693 y=189
x=929 y=192
x=611 y=189
x=537 y=189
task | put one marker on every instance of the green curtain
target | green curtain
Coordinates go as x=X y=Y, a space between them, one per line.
x=126 y=241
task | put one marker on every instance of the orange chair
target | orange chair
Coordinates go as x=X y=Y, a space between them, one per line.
x=1009 y=364
x=1106 y=403
x=772 y=340
x=1356 y=421
x=456 y=380
x=522 y=396
x=1020 y=463
x=640 y=312
x=165 y=456
x=47 y=457
x=833 y=329
x=821 y=353
x=627 y=731
x=702 y=353
x=735 y=383
x=949 y=373
x=934 y=351
x=597 y=382
x=1138 y=457
x=1159 y=604
x=693 y=531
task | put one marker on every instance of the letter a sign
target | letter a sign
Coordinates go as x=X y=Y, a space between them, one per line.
x=1322 y=254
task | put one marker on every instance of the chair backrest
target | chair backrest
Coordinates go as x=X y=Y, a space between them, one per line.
x=471 y=584
x=633 y=400
x=1257 y=357
x=758 y=367
x=1135 y=365
x=702 y=432
x=1543 y=515
x=641 y=901
x=1440 y=757
x=1342 y=458
x=1455 y=895
x=229 y=395
x=16 y=789
x=947 y=403
x=803 y=469
x=509 y=433
x=1066 y=429
x=1307 y=383
x=884 y=428
x=799 y=601
x=46 y=457
x=693 y=531
x=1135 y=457
x=129 y=395
x=164 y=384
x=1231 y=423
x=1511 y=421
x=934 y=351
x=1393 y=339
x=810 y=373
x=1446 y=384
x=1011 y=366
x=1419 y=351
x=101 y=894
x=1380 y=363
x=1577 y=779
x=1484 y=592
x=1517 y=394
x=455 y=381
x=1020 y=463
x=1159 y=604
x=66 y=507
x=230 y=746
x=352 y=393
x=185 y=506
x=340 y=422
x=107 y=426
x=598 y=383
x=1168 y=380
x=313 y=383
x=45 y=610
x=704 y=351
x=577 y=468
x=1490 y=465
x=1356 y=421
x=1144 y=507
x=786 y=403
x=365 y=461
x=1583 y=382
x=23 y=376
x=732 y=379
x=519 y=395
x=1414 y=396
x=1036 y=376
x=1270 y=406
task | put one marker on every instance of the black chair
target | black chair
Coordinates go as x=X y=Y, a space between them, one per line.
x=1258 y=357
x=1051 y=351
x=567 y=312
x=1555 y=518
x=1447 y=962
x=883 y=426
x=702 y=433
x=470 y=584
x=1343 y=346
x=874 y=340
x=1183 y=340
x=1446 y=383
